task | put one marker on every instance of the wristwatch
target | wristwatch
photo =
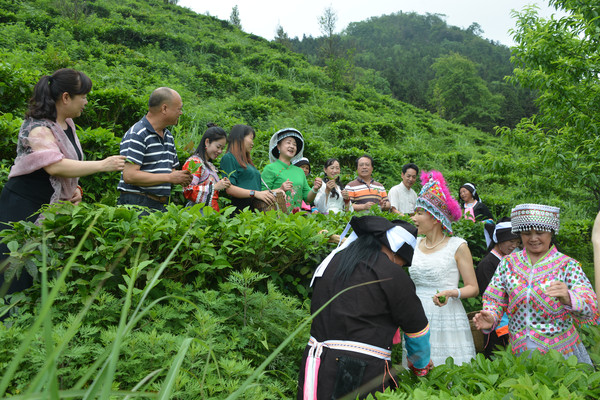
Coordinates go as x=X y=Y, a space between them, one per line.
x=252 y=193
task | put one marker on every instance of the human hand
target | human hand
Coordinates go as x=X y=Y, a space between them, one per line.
x=265 y=196
x=77 y=196
x=330 y=186
x=365 y=206
x=222 y=184
x=559 y=290
x=345 y=195
x=318 y=183
x=440 y=299
x=183 y=178
x=332 y=238
x=420 y=371
x=113 y=163
x=384 y=204
x=287 y=185
x=483 y=320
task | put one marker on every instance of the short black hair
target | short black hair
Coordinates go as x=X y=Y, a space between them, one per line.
x=408 y=166
x=366 y=156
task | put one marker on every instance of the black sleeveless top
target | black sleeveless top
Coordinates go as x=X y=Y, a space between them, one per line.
x=36 y=186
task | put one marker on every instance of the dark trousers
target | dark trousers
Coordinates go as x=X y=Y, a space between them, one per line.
x=13 y=208
x=494 y=342
x=139 y=200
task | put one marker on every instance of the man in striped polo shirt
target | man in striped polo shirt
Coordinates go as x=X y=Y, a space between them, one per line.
x=364 y=192
x=151 y=155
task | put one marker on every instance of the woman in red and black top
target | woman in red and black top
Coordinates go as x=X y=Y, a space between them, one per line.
x=206 y=184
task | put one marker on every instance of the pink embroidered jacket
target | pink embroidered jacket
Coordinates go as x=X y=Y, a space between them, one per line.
x=518 y=288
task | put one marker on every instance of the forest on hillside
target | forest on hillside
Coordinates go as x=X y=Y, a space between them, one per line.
x=447 y=70
x=194 y=303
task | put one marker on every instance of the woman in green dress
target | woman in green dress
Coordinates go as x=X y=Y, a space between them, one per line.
x=243 y=175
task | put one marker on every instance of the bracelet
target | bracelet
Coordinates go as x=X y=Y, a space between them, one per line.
x=458 y=290
x=314 y=191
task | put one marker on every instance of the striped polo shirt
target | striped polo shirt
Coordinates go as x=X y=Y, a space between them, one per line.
x=157 y=155
x=361 y=192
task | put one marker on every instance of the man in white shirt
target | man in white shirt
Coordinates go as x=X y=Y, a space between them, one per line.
x=402 y=197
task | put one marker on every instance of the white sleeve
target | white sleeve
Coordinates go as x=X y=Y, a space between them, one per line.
x=321 y=200
x=393 y=197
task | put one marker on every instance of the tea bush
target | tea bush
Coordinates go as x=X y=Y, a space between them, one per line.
x=234 y=328
x=541 y=376
x=285 y=247
x=16 y=86
x=115 y=109
x=238 y=287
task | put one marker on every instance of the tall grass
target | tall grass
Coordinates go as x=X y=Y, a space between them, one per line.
x=99 y=376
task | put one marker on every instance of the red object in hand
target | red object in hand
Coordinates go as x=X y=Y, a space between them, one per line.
x=420 y=371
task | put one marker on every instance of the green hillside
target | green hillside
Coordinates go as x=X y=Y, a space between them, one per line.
x=403 y=48
x=196 y=304
x=227 y=76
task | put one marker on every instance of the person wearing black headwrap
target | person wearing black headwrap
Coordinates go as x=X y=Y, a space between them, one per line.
x=501 y=242
x=351 y=338
x=474 y=208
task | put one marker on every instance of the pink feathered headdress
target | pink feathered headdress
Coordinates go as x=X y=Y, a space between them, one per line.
x=436 y=199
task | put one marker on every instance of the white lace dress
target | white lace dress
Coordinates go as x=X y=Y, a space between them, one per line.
x=450 y=333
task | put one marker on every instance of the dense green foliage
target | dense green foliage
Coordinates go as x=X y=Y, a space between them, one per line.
x=229 y=77
x=560 y=59
x=212 y=294
x=214 y=289
x=234 y=288
x=403 y=47
x=541 y=377
x=456 y=83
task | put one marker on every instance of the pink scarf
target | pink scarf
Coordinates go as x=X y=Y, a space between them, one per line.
x=48 y=145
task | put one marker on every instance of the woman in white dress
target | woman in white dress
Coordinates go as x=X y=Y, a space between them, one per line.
x=439 y=261
x=331 y=196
